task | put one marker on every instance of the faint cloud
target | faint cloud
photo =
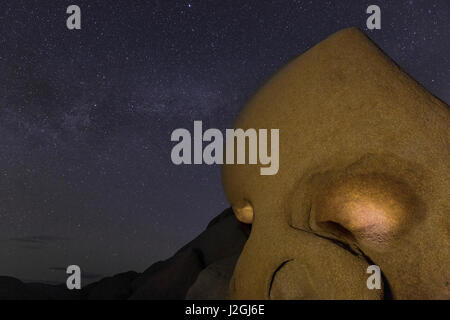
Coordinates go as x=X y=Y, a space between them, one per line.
x=36 y=242
x=84 y=274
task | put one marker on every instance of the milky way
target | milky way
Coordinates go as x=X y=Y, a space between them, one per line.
x=86 y=115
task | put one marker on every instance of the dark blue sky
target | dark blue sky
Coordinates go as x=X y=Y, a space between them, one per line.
x=86 y=116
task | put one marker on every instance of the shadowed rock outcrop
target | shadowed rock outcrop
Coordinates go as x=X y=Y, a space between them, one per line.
x=212 y=255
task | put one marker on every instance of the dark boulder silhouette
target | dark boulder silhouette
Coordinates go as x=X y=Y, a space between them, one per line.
x=199 y=270
x=117 y=287
x=212 y=283
x=14 y=289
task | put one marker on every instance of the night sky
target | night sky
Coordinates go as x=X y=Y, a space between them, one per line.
x=86 y=115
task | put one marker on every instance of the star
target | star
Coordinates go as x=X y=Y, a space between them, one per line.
x=90 y=113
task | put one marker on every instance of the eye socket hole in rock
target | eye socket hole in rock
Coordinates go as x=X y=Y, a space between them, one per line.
x=368 y=209
x=370 y=202
x=335 y=228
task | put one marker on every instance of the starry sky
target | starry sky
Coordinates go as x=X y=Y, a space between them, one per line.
x=86 y=115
